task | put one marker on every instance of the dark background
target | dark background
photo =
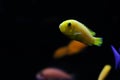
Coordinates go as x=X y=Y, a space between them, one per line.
x=28 y=47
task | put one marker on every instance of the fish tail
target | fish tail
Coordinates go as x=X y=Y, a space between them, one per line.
x=98 y=41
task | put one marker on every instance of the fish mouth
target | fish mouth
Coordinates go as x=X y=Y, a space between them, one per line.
x=62 y=29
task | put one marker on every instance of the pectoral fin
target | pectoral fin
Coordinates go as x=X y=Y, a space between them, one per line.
x=76 y=33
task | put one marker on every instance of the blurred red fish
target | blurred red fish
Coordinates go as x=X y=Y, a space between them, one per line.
x=72 y=48
x=53 y=73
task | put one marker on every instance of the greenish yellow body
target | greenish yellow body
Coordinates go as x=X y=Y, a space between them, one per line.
x=78 y=31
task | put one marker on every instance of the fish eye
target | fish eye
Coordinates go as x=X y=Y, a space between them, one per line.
x=69 y=24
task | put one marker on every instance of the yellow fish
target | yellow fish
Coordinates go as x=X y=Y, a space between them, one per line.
x=78 y=31
x=105 y=71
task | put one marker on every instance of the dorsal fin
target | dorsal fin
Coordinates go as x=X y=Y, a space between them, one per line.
x=117 y=57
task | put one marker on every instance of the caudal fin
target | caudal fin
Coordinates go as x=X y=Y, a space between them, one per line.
x=98 y=41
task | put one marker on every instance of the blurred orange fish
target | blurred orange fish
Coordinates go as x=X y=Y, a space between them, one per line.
x=72 y=48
